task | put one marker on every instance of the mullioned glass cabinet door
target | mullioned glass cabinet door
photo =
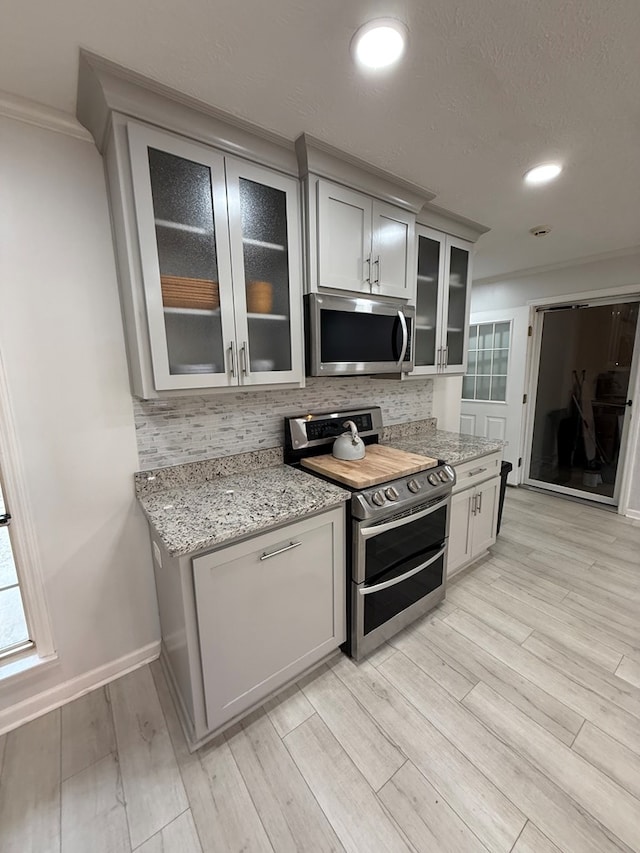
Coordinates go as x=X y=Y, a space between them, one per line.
x=264 y=228
x=428 y=346
x=181 y=213
x=457 y=278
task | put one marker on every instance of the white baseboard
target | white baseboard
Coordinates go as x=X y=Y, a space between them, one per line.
x=49 y=700
x=633 y=513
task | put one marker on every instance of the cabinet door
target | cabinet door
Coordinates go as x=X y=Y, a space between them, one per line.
x=264 y=228
x=392 y=251
x=430 y=251
x=344 y=238
x=181 y=214
x=268 y=609
x=460 y=531
x=485 y=519
x=457 y=278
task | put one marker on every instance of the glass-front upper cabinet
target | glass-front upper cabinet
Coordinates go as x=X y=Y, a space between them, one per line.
x=220 y=261
x=457 y=289
x=266 y=262
x=181 y=212
x=430 y=250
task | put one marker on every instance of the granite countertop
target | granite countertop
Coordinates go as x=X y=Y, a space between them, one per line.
x=454 y=447
x=202 y=515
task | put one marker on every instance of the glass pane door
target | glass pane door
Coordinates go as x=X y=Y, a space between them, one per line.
x=580 y=408
x=185 y=258
x=428 y=289
x=264 y=223
x=458 y=285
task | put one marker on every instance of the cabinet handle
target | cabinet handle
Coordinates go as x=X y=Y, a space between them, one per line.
x=473 y=504
x=446 y=357
x=367 y=261
x=377 y=262
x=5 y=519
x=244 y=358
x=288 y=547
x=232 y=359
x=439 y=362
x=476 y=471
x=480 y=502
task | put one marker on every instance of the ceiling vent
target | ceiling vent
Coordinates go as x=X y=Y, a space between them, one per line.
x=540 y=230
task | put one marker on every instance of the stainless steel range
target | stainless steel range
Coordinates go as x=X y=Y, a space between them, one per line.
x=398 y=532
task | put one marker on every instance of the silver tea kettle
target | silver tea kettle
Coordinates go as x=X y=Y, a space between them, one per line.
x=349 y=445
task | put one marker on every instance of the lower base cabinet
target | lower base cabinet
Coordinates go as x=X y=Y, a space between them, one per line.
x=267 y=610
x=241 y=622
x=474 y=520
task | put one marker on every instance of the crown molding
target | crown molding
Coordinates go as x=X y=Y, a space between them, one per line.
x=559 y=265
x=31 y=112
x=317 y=157
x=106 y=89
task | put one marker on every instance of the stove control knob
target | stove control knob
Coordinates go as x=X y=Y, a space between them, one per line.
x=443 y=476
x=432 y=478
x=377 y=498
x=414 y=486
x=392 y=494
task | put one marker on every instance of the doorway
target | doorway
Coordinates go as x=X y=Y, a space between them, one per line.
x=579 y=415
x=492 y=388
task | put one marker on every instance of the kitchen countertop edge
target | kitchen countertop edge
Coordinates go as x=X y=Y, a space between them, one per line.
x=202 y=504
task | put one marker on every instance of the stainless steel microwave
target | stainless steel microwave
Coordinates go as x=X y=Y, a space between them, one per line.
x=350 y=335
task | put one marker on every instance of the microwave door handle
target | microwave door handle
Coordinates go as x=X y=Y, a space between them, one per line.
x=405 y=337
x=368 y=532
x=386 y=584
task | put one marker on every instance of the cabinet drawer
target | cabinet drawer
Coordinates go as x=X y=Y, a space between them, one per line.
x=477 y=470
x=267 y=610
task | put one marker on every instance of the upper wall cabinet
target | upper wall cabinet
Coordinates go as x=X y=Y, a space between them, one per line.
x=219 y=240
x=443 y=291
x=208 y=244
x=360 y=223
x=363 y=245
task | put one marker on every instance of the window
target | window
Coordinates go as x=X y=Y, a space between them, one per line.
x=14 y=634
x=25 y=628
x=486 y=377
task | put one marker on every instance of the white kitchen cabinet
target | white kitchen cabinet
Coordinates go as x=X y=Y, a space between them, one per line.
x=474 y=510
x=443 y=298
x=268 y=609
x=219 y=243
x=237 y=628
x=485 y=516
x=364 y=245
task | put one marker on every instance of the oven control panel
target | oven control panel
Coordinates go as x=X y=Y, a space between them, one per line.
x=407 y=491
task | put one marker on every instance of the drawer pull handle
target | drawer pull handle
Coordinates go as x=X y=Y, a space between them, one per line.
x=288 y=547
x=476 y=471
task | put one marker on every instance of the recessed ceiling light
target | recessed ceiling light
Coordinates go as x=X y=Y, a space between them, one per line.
x=379 y=43
x=543 y=173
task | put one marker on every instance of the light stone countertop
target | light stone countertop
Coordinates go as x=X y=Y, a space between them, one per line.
x=205 y=515
x=454 y=447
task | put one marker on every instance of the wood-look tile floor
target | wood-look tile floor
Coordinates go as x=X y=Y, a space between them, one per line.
x=506 y=720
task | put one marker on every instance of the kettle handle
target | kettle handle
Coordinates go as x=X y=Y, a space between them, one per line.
x=354 y=431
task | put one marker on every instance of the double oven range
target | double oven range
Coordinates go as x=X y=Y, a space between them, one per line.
x=397 y=533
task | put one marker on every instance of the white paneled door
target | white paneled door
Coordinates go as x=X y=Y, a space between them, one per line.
x=493 y=387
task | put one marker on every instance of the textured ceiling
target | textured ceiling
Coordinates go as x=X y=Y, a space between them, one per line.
x=487 y=89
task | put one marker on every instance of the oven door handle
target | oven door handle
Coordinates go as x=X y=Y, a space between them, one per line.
x=368 y=532
x=386 y=584
x=405 y=334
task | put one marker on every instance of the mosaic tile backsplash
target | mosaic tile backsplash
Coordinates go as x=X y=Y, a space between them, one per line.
x=189 y=429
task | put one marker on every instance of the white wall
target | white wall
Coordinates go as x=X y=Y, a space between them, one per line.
x=447 y=401
x=612 y=272
x=63 y=349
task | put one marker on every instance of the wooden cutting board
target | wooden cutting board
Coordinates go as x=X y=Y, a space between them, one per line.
x=380 y=464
